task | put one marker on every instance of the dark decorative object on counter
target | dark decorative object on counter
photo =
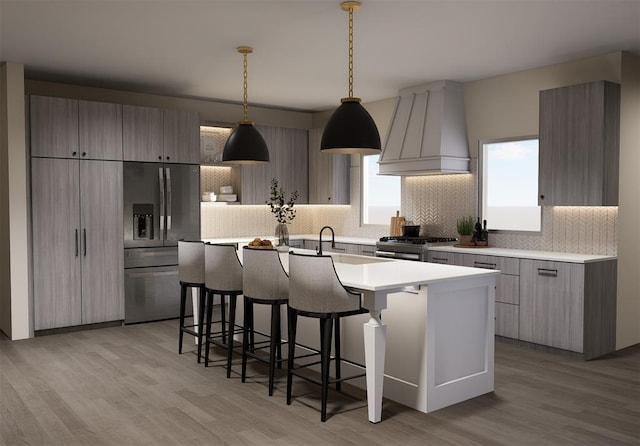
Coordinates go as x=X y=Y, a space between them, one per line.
x=480 y=235
x=284 y=212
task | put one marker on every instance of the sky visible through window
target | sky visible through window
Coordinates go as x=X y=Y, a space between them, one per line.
x=380 y=193
x=510 y=194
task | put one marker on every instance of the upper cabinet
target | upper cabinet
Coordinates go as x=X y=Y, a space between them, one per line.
x=157 y=135
x=181 y=136
x=328 y=174
x=69 y=128
x=288 y=151
x=54 y=127
x=579 y=145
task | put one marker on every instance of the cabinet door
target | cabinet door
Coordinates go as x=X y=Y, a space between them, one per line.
x=551 y=304
x=328 y=174
x=507 y=320
x=100 y=130
x=54 y=127
x=181 y=136
x=102 y=241
x=579 y=145
x=56 y=243
x=142 y=133
x=447 y=258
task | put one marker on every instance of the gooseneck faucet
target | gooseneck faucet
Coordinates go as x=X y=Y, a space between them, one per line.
x=333 y=239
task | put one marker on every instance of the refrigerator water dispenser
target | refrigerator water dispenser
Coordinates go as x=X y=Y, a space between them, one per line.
x=143 y=221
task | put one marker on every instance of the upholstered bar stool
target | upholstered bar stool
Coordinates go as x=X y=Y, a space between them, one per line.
x=316 y=291
x=223 y=276
x=191 y=275
x=264 y=282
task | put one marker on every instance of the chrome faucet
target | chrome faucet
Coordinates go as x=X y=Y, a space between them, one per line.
x=333 y=239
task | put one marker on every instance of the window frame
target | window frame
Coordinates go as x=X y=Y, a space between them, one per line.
x=480 y=184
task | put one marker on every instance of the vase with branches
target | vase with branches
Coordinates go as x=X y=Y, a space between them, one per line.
x=283 y=211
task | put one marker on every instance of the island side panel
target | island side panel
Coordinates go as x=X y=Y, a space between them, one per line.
x=459 y=341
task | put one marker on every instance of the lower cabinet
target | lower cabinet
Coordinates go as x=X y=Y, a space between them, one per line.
x=507 y=319
x=446 y=258
x=77 y=242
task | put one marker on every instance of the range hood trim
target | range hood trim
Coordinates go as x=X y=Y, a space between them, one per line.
x=427 y=134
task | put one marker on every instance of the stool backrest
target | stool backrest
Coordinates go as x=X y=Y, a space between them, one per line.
x=223 y=270
x=314 y=286
x=191 y=261
x=263 y=276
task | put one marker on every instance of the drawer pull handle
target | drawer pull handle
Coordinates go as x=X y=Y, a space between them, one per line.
x=440 y=260
x=547 y=272
x=484 y=265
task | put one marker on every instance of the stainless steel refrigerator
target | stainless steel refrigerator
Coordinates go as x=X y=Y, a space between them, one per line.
x=161 y=206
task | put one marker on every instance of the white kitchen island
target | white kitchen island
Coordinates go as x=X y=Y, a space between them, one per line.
x=437 y=336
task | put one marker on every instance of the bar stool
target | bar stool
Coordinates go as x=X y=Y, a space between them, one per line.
x=222 y=276
x=316 y=291
x=191 y=275
x=264 y=282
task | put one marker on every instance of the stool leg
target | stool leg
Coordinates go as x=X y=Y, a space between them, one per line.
x=325 y=358
x=230 y=332
x=275 y=324
x=183 y=298
x=223 y=307
x=279 y=338
x=209 y=296
x=245 y=337
x=292 y=317
x=201 y=298
x=251 y=332
x=337 y=355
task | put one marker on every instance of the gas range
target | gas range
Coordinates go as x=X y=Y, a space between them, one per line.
x=410 y=248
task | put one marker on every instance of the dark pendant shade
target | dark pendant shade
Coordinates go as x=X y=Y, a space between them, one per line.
x=245 y=145
x=351 y=129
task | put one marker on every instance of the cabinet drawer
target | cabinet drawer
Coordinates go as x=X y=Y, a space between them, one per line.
x=367 y=250
x=447 y=258
x=507 y=316
x=506 y=265
x=508 y=289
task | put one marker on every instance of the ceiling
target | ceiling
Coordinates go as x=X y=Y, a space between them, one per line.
x=188 y=48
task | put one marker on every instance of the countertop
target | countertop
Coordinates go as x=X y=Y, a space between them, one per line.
x=338 y=239
x=526 y=254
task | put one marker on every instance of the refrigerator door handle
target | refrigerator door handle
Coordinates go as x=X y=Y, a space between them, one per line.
x=162 y=209
x=168 y=176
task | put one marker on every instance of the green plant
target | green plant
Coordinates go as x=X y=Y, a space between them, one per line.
x=465 y=225
x=284 y=211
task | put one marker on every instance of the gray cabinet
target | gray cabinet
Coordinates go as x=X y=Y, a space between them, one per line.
x=446 y=258
x=579 y=145
x=569 y=305
x=142 y=134
x=99 y=130
x=77 y=242
x=288 y=163
x=328 y=174
x=54 y=127
x=181 y=139
x=367 y=250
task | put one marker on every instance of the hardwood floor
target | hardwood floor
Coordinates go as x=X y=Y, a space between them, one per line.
x=128 y=386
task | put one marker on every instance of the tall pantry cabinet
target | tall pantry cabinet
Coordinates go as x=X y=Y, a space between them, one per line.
x=76 y=199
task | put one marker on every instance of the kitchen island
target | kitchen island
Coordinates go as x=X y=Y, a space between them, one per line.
x=436 y=345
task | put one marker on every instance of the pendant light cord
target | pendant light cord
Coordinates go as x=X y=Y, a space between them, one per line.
x=351 y=51
x=246 y=87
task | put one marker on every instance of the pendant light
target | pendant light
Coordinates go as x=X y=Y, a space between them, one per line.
x=351 y=128
x=245 y=145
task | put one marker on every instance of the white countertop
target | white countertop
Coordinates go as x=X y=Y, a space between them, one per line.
x=273 y=238
x=378 y=274
x=526 y=254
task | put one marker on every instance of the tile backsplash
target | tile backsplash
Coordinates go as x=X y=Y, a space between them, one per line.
x=435 y=201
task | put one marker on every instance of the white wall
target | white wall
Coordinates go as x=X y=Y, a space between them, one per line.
x=14 y=229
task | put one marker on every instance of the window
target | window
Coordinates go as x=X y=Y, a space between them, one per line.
x=380 y=193
x=509 y=185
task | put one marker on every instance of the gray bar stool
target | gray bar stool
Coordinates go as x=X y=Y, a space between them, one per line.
x=223 y=276
x=264 y=282
x=316 y=291
x=191 y=275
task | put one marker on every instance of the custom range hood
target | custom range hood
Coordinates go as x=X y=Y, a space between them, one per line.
x=428 y=133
